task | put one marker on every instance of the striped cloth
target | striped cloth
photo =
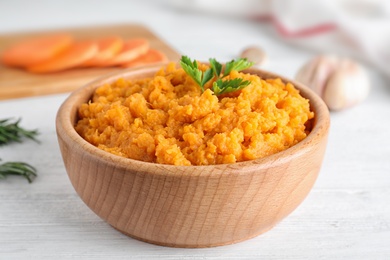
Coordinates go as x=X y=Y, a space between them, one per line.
x=352 y=28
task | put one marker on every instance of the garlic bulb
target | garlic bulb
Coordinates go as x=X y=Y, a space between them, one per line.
x=340 y=82
x=255 y=55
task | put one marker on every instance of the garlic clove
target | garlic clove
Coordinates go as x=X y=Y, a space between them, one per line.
x=340 y=82
x=347 y=86
x=255 y=55
x=305 y=74
x=316 y=72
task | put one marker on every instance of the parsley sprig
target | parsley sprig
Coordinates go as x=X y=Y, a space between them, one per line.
x=191 y=68
x=226 y=86
x=220 y=85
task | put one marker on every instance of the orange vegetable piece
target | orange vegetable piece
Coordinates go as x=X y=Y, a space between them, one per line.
x=108 y=48
x=131 y=50
x=36 y=50
x=77 y=54
x=152 y=56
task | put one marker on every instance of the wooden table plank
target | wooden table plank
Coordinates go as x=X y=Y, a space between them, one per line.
x=15 y=83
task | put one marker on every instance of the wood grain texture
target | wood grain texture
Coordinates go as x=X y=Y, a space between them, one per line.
x=16 y=83
x=190 y=206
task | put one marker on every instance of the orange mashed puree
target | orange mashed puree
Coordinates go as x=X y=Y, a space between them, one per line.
x=166 y=119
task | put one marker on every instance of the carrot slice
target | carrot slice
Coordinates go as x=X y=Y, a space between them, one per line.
x=152 y=56
x=108 y=48
x=36 y=50
x=78 y=53
x=131 y=50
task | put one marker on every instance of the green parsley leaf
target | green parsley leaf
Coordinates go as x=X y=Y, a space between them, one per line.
x=207 y=76
x=191 y=68
x=219 y=86
x=237 y=65
x=216 y=67
x=226 y=86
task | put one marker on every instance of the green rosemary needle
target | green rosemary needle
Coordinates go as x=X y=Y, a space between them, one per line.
x=18 y=168
x=12 y=132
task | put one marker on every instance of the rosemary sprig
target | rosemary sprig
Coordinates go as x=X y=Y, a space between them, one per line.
x=12 y=132
x=18 y=168
x=215 y=71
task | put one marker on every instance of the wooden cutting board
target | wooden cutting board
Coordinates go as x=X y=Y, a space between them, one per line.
x=16 y=83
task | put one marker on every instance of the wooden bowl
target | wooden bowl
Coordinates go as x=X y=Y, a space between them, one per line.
x=190 y=206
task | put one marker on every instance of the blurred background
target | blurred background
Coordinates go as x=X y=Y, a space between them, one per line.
x=355 y=28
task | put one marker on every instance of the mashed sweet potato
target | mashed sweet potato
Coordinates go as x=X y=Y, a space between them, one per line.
x=166 y=119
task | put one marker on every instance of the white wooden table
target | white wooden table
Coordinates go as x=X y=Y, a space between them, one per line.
x=346 y=216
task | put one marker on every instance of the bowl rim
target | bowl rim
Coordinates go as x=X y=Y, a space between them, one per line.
x=66 y=131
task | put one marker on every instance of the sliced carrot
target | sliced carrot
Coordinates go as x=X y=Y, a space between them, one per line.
x=36 y=50
x=108 y=48
x=152 y=56
x=131 y=50
x=78 y=53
